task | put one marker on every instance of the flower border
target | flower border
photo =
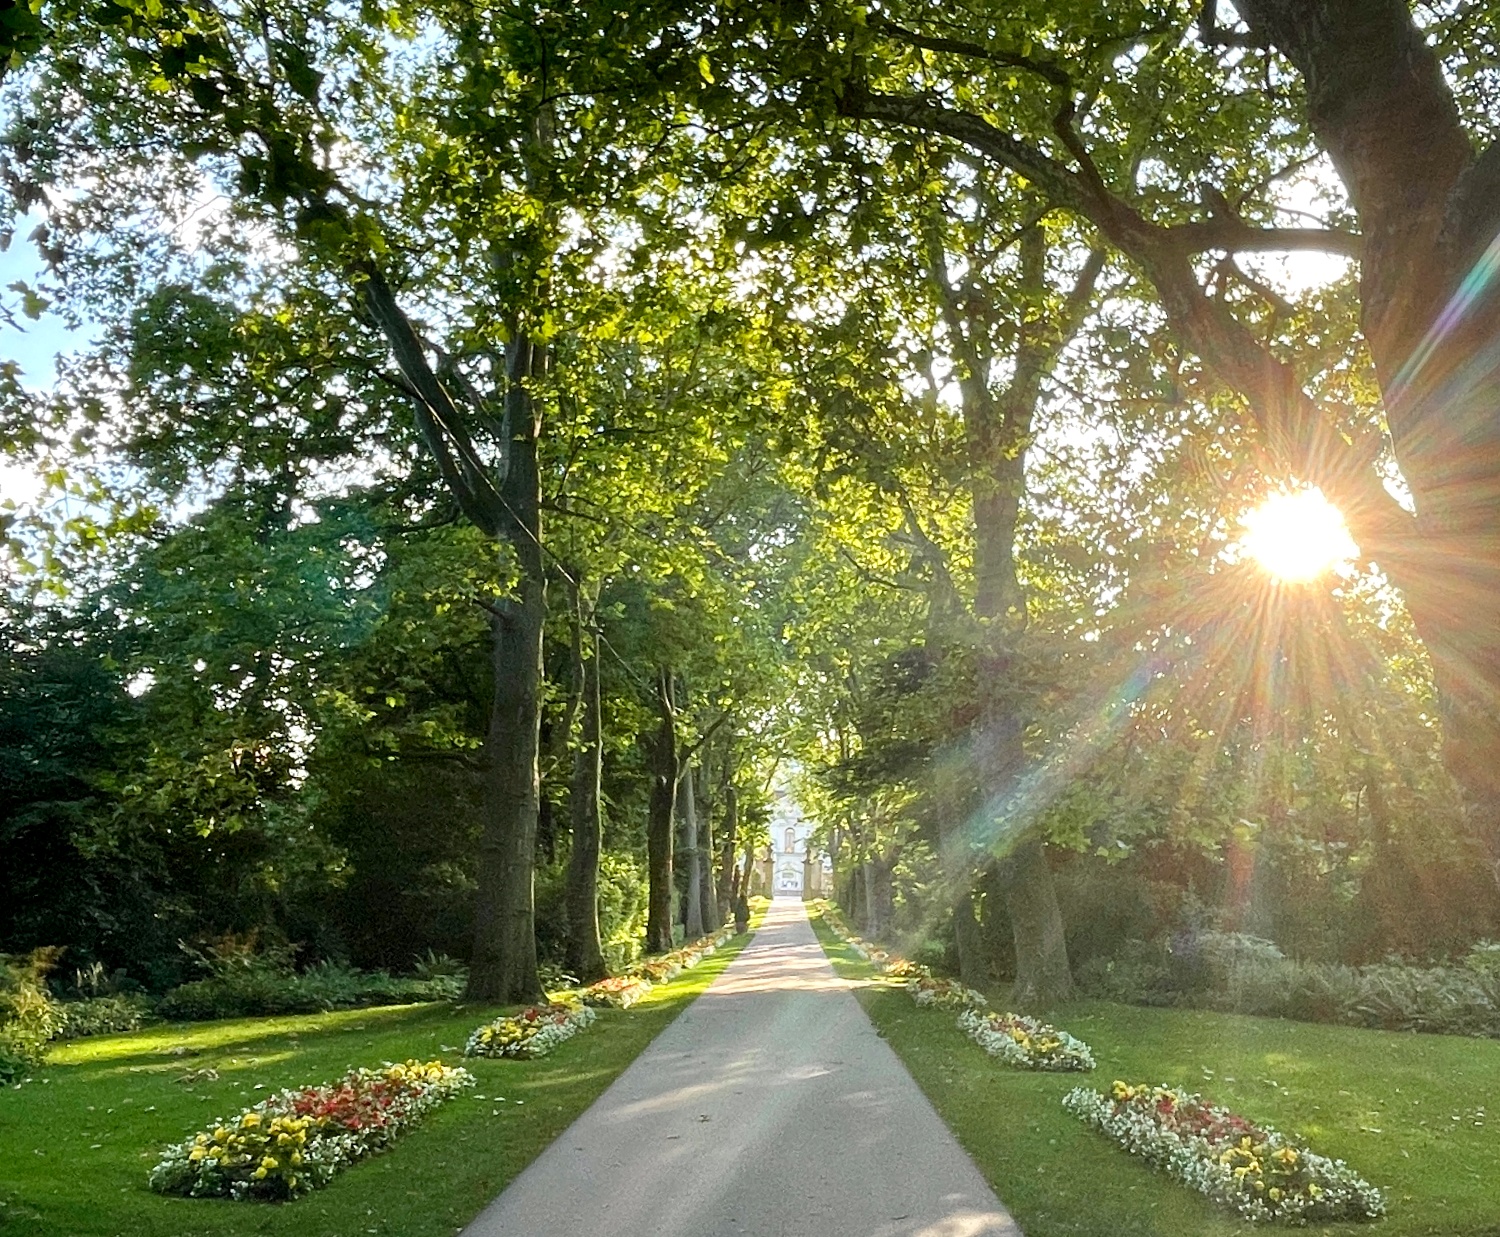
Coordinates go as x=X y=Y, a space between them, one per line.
x=532 y=1033
x=1252 y=1169
x=1025 y=1042
x=297 y=1140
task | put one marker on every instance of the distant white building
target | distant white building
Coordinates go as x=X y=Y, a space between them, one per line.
x=797 y=867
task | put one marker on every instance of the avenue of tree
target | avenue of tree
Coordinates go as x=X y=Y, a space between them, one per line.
x=520 y=441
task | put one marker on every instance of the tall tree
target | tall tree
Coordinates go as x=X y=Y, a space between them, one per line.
x=1378 y=101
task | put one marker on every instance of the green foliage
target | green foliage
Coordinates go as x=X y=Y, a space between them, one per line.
x=104 y=1015
x=29 y=1017
x=245 y=981
x=1248 y=975
x=622 y=910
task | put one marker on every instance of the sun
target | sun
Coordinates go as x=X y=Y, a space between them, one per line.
x=1297 y=535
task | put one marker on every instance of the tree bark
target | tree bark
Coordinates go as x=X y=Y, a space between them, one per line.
x=728 y=886
x=708 y=894
x=692 y=914
x=659 y=819
x=973 y=962
x=504 y=965
x=585 y=953
x=871 y=902
x=1042 y=977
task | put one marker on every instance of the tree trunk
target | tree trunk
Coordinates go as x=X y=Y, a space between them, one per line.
x=659 y=821
x=728 y=887
x=692 y=913
x=973 y=962
x=885 y=894
x=708 y=894
x=585 y=954
x=1042 y=975
x=870 y=903
x=504 y=966
x=997 y=429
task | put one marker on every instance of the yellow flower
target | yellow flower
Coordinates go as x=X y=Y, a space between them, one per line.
x=259 y=1174
x=1314 y=1189
x=269 y=1163
x=250 y=1120
x=196 y=1154
x=1275 y=1194
x=220 y=1133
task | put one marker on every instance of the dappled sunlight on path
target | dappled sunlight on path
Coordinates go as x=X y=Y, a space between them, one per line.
x=770 y=1107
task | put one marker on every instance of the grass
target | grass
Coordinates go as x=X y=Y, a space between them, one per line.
x=1408 y=1112
x=77 y=1141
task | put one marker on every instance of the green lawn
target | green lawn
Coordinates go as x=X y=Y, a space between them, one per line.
x=1408 y=1112
x=77 y=1142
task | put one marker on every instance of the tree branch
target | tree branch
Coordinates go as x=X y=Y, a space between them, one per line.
x=1298 y=437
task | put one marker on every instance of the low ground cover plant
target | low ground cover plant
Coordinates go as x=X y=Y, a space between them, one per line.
x=1026 y=1043
x=296 y=1140
x=1250 y=1168
x=103 y=1015
x=534 y=1032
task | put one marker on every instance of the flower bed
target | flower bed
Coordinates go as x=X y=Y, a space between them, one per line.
x=669 y=966
x=944 y=993
x=1026 y=1043
x=881 y=959
x=1249 y=1168
x=534 y=1032
x=618 y=991
x=297 y=1140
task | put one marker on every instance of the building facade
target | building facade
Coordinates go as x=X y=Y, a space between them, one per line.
x=795 y=867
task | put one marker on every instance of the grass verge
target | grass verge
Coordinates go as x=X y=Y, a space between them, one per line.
x=1408 y=1112
x=77 y=1141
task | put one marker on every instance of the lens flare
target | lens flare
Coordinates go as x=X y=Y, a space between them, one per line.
x=1296 y=536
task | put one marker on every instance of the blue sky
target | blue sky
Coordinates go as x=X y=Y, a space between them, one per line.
x=37 y=347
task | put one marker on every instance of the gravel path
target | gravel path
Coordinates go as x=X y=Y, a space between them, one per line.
x=770 y=1108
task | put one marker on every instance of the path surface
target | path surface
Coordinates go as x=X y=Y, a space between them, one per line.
x=769 y=1108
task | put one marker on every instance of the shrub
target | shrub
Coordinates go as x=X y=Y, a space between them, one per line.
x=622 y=910
x=1249 y=975
x=245 y=982
x=29 y=1017
x=103 y=1015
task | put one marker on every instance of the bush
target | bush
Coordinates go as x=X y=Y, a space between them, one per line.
x=103 y=1015
x=247 y=982
x=1141 y=974
x=622 y=910
x=29 y=1017
x=1248 y=975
